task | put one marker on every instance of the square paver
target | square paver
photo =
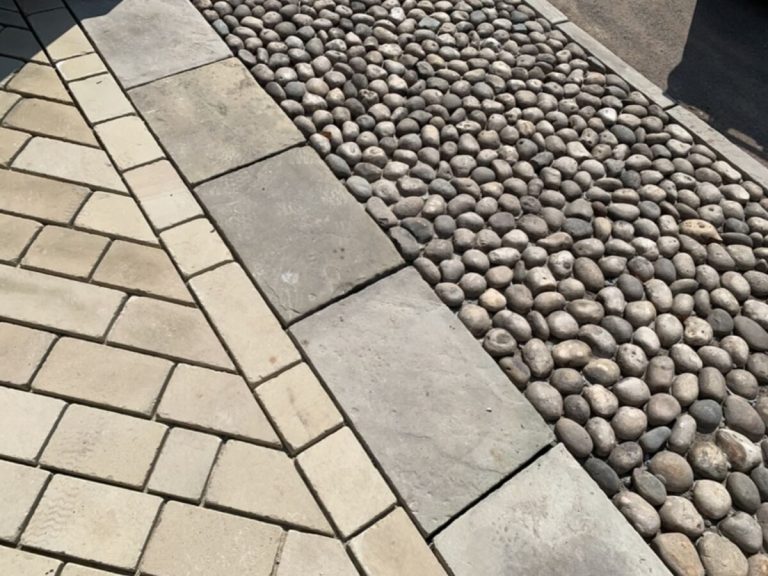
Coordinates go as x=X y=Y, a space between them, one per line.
x=21 y=563
x=60 y=34
x=99 y=374
x=38 y=197
x=26 y=421
x=21 y=351
x=334 y=245
x=236 y=122
x=81 y=67
x=184 y=464
x=304 y=554
x=15 y=235
x=437 y=413
x=39 y=80
x=65 y=251
x=535 y=522
x=101 y=98
x=92 y=522
x=128 y=142
x=104 y=445
x=140 y=47
x=21 y=487
x=192 y=541
x=116 y=215
x=195 y=246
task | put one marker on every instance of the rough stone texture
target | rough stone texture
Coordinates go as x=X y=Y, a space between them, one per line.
x=195 y=246
x=548 y=516
x=38 y=197
x=115 y=215
x=100 y=98
x=21 y=350
x=305 y=554
x=21 y=563
x=50 y=119
x=66 y=251
x=334 y=245
x=128 y=142
x=21 y=487
x=430 y=392
x=235 y=124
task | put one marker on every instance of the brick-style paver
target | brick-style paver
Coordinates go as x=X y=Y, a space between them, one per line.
x=100 y=98
x=65 y=251
x=39 y=80
x=21 y=487
x=115 y=215
x=304 y=554
x=38 y=197
x=19 y=43
x=21 y=563
x=51 y=119
x=81 y=67
x=195 y=246
x=184 y=464
x=15 y=236
x=26 y=420
x=129 y=142
x=11 y=141
x=60 y=36
x=21 y=351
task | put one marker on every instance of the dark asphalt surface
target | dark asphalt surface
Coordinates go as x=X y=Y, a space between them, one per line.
x=711 y=55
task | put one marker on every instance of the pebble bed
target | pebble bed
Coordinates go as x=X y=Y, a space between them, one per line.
x=615 y=269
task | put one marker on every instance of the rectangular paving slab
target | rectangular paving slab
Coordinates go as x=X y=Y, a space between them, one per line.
x=550 y=518
x=436 y=411
x=333 y=247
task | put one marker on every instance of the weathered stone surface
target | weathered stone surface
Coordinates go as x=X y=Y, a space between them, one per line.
x=66 y=251
x=334 y=245
x=26 y=421
x=38 y=197
x=21 y=487
x=184 y=464
x=100 y=98
x=116 y=215
x=128 y=142
x=25 y=564
x=81 y=67
x=60 y=34
x=21 y=350
x=569 y=513
x=305 y=554
x=431 y=391
x=50 y=119
x=195 y=246
x=679 y=554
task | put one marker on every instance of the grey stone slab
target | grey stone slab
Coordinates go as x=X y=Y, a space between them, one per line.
x=214 y=119
x=436 y=411
x=549 y=519
x=547 y=10
x=144 y=40
x=298 y=231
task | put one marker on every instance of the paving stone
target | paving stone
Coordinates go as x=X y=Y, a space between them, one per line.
x=535 y=522
x=244 y=321
x=115 y=215
x=21 y=351
x=547 y=10
x=65 y=251
x=195 y=246
x=73 y=162
x=235 y=124
x=396 y=333
x=50 y=119
x=128 y=142
x=264 y=483
x=39 y=80
x=11 y=18
x=15 y=235
x=33 y=6
x=346 y=481
x=21 y=487
x=192 y=541
x=75 y=570
x=92 y=522
x=60 y=34
x=25 y=422
x=81 y=67
x=215 y=401
x=304 y=554
x=103 y=375
x=8 y=67
x=169 y=329
x=142 y=269
x=184 y=464
x=394 y=546
x=38 y=197
x=21 y=563
x=139 y=45
x=19 y=43
x=100 y=98
x=104 y=445
x=334 y=245
x=7 y=99
x=57 y=303
x=11 y=141
x=299 y=406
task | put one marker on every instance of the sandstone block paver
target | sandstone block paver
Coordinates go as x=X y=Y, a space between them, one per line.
x=65 y=251
x=128 y=142
x=38 y=197
x=245 y=322
x=81 y=67
x=304 y=554
x=77 y=570
x=21 y=563
x=184 y=464
x=60 y=34
x=7 y=99
x=214 y=401
x=191 y=541
x=168 y=329
x=21 y=487
x=21 y=351
x=15 y=235
x=116 y=215
x=26 y=421
x=92 y=522
x=39 y=80
x=100 y=98
x=346 y=481
x=195 y=246
x=102 y=375
x=11 y=141
x=52 y=119
x=265 y=483
x=18 y=43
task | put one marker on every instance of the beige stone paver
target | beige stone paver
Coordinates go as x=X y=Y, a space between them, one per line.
x=81 y=67
x=19 y=563
x=92 y=522
x=57 y=303
x=104 y=445
x=52 y=119
x=21 y=351
x=162 y=194
x=100 y=98
x=103 y=375
x=26 y=421
x=38 y=197
x=65 y=251
x=168 y=329
x=245 y=322
x=309 y=554
x=15 y=235
x=141 y=269
x=39 y=80
x=265 y=483
x=393 y=547
x=191 y=541
x=59 y=33
x=195 y=246
x=11 y=141
x=21 y=485
x=77 y=570
x=214 y=401
x=115 y=215
x=68 y=161
x=346 y=481
x=129 y=142
x=184 y=464
x=18 y=43
x=7 y=100
x=299 y=406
